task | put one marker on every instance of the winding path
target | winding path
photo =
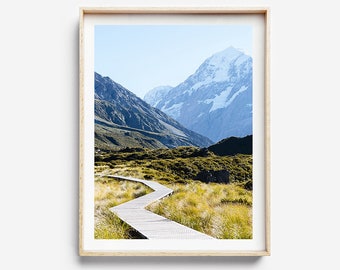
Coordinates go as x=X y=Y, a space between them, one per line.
x=150 y=225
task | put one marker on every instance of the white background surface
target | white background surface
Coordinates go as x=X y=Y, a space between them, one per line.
x=39 y=138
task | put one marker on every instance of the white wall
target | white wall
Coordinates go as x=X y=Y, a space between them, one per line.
x=39 y=138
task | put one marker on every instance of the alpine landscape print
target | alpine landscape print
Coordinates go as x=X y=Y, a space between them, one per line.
x=173 y=132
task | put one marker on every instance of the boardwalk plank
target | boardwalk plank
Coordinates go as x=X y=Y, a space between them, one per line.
x=151 y=225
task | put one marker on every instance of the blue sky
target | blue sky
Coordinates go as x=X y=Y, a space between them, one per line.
x=141 y=57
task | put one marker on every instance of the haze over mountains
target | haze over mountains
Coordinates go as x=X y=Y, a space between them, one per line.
x=124 y=120
x=215 y=101
x=155 y=95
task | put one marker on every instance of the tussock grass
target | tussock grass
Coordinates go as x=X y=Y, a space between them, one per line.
x=221 y=210
x=233 y=222
x=109 y=193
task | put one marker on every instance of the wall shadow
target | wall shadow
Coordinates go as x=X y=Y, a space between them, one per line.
x=169 y=260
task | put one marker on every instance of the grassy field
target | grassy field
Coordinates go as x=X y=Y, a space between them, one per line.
x=223 y=211
x=109 y=193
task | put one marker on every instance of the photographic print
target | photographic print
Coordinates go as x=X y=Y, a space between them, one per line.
x=177 y=134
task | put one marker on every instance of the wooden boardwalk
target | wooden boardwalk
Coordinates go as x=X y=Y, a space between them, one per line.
x=150 y=225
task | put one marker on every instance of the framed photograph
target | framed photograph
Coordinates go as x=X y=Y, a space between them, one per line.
x=174 y=132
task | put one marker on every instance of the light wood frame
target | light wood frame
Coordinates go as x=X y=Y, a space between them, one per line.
x=181 y=10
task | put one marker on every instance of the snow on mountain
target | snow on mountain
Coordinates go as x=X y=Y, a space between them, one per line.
x=219 y=101
x=215 y=101
x=216 y=68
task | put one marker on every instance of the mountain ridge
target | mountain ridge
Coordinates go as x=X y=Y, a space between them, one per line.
x=118 y=109
x=233 y=146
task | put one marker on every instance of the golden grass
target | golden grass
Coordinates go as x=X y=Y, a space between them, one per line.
x=223 y=211
x=109 y=193
x=220 y=210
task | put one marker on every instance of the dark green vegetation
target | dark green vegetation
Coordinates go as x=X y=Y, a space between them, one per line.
x=181 y=164
x=222 y=210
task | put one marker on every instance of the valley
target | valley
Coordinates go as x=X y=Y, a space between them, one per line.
x=194 y=138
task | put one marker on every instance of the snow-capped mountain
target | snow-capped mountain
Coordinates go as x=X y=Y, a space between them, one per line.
x=215 y=101
x=124 y=120
x=155 y=95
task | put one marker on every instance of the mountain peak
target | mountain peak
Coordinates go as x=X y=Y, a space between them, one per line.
x=216 y=100
x=155 y=95
x=220 y=67
x=160 y=88
x=224 y=56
